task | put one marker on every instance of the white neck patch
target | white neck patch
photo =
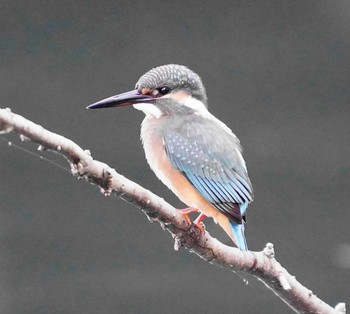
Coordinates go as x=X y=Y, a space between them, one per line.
x=201 y=109
x=195 y=104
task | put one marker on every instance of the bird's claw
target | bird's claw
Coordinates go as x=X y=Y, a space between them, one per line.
x=200 y=225
x=187 y=211
x=198 y=221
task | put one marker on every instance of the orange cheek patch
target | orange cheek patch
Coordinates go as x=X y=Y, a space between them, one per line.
x=178 y=95
x=146 y=91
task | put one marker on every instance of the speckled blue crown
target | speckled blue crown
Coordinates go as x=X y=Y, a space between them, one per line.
x=174 y=76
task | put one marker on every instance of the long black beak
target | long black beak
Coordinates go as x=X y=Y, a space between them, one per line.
x=124 y=99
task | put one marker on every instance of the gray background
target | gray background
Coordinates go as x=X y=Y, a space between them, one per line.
x=276 y=72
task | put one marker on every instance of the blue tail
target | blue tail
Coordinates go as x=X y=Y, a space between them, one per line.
x=238 y=233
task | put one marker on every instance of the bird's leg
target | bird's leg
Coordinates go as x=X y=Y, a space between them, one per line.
x=199 y=221
x=200 y=218
x=187 y=211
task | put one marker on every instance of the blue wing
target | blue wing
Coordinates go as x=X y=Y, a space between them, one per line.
x=210 y=157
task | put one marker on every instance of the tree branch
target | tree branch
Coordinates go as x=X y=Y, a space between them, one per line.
x=262 y=265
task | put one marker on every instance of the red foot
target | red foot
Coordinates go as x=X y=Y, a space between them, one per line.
x=187 y=211
x=200 y=218
x=198 y=222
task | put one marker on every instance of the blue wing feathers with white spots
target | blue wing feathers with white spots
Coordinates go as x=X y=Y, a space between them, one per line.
x=210 y=158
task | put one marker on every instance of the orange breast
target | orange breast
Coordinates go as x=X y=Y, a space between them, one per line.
x=159 y=162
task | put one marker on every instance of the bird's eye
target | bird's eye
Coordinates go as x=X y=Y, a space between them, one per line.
x=163 y=90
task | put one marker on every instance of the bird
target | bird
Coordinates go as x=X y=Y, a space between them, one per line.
x=192 y=152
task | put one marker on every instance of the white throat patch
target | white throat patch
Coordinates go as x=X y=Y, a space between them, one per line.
x=148 y=109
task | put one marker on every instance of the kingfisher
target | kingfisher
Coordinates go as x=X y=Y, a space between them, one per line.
x=192 y=152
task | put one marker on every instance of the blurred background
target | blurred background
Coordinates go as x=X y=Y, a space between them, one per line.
x=276 y=72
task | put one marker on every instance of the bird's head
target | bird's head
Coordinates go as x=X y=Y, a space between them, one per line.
x=167 y=89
